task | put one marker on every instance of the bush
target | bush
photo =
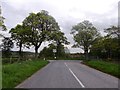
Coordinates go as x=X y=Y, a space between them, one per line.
x=9 y=60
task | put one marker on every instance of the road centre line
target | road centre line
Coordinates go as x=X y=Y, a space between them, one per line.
x=75 y=76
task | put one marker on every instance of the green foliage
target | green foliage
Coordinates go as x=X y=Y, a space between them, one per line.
x=6 y=46
x=49 y=54
x=59 y=40
x=14 y=74
x=113 y=31
x=41 y=25
x=19 y=35
x=84 y=35
x=59 y=37
x=9 y=60
x=107 y=46
x=107 y=67
x=46 y=53
x=2 y=26
x=15 y=57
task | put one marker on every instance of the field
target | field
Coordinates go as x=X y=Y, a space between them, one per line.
x=13 y=74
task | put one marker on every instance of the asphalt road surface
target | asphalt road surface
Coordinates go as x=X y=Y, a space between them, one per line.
x=69 y=74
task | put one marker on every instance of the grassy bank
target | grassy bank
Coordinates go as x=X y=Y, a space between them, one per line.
x=13 y=74
x=107 y=67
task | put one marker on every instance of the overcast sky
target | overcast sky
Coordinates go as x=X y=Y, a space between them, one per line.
x=102 y=13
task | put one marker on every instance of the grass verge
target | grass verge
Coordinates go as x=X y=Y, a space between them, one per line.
x=106 y=67
x=13 y=74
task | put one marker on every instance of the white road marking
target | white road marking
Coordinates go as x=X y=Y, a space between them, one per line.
x=75 y=76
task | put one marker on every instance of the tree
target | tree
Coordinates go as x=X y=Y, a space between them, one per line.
x=96 y=49
x=41 y=27
x=2 y=26
x=84 y=35
x=106 y=48
x=47 y=52
x=6 y=46
x=113 y=31
x=18 y=34
x=59 y=39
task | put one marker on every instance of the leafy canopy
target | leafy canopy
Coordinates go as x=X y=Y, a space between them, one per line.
x=84 y=34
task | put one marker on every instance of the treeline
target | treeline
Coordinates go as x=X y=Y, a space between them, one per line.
x=40 y=27
x=107 y=47
x=95 y=45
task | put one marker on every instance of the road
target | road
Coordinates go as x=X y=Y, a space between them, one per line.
x=69 y=74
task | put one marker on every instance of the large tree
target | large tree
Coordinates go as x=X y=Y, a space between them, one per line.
x=18 y=34
x=84 y=34
x=41 y=25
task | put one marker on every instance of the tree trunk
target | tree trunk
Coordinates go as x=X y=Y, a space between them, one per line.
x=20 y=51
x=36 y=51
x=37 y=45
x=20 y=47
x=58 y=53
x=86 y=53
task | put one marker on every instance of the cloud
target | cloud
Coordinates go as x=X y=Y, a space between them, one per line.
x=102 y=13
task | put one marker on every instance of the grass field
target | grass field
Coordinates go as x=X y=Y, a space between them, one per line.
x=107 y=67
x=13 y=74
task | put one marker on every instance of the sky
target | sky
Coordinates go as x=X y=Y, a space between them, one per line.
x=102 y=13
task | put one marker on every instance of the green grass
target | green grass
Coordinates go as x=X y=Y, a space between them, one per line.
x=13 y=74
x=107 y=67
